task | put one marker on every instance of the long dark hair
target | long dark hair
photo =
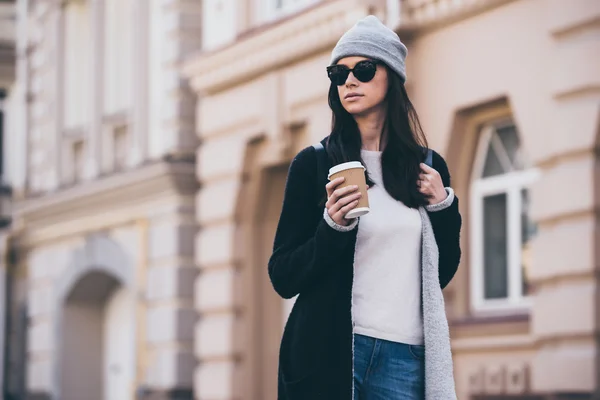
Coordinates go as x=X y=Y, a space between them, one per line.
x=405 y=142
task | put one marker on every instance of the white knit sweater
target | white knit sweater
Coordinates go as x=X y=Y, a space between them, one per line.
x=386 y=294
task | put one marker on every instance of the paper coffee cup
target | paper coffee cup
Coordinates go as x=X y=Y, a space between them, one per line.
x=354 y=172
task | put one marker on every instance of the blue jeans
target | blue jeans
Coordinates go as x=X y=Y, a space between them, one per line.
x=385 y=370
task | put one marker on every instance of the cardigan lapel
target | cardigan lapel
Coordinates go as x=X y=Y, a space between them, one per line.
x=439 y=375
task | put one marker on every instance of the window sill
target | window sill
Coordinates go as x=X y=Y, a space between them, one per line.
x=475 y=320
x=116 y=118
x=501 y=307
x=489 y=326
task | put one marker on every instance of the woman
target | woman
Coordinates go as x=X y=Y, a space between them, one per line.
x=369 y=319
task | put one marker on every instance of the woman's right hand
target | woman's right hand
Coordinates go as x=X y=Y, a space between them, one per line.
x=340 y=201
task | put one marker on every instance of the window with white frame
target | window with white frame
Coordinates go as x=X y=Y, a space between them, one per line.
x=118 y=60
x=500 y=222
x=273 y=9
x=219 y=23
x=77 y=64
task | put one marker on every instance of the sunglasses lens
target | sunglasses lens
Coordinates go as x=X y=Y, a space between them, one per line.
x=338 y=74
x=365 y=71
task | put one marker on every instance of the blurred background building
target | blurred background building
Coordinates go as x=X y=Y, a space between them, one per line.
x=146 y=147
x=101 y=163
x=7 y=311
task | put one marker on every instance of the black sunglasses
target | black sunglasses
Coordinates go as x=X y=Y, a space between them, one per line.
x=364 y=71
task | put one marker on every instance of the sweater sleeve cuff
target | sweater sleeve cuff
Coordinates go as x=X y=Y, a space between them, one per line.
x=444 y=204
x=337 y=227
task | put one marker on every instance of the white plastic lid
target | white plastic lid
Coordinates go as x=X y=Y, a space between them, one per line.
x=345 y=166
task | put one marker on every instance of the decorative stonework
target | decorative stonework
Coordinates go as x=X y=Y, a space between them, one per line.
x=565 y=260
x=181 y=35
x=309 y=33
x=268 y=49
x=99 y=254
x=109 y=193
x=423 y=14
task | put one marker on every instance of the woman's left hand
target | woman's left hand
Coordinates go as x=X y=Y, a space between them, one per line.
x=430 y=184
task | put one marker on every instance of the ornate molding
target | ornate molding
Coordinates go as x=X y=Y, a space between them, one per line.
x=106 y=194
x=317 y=29
x=276 y=45
x=98 y=254
x=418 y=15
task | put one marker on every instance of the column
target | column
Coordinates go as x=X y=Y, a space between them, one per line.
x=19 y=105
x=58 y=92
x=217 y=287
x=93 y=144
x=565 y=313
x=140 y=131
x=181 y=22
x=170 y=313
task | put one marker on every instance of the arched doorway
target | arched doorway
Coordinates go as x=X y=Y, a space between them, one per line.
x=263 y=312
x=94 y=327
x=271 y=311
x=98 y=342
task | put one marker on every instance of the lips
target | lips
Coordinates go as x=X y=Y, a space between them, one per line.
x=350 y=96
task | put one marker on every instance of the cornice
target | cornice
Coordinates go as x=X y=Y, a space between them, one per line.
x=317 y=29
x=107 y=194
x=418 y=16
x=283 y=43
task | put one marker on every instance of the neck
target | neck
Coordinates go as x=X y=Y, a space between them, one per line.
x=371 y=130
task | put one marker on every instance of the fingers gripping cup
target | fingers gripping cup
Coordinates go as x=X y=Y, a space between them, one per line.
x=354 y=174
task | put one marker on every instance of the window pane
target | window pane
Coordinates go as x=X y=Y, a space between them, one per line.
x=492 y=164
x=121 y=145
x=528 y=231
x=78 y=160
x=118 y=50
x=77 y=62
x=495 y=247
x=510 y=140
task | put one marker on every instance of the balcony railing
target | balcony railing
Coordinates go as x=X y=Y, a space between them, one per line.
x=425 y=12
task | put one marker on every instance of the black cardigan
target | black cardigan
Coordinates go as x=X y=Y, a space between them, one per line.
x=315 y=261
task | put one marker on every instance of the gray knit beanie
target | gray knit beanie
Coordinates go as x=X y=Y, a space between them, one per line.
x=371 y=38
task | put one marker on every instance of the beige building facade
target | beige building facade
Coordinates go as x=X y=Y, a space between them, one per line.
x=154 y=138
x=507 y=91
x=102 y=171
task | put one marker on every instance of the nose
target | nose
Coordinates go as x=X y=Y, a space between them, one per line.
x=351 y=80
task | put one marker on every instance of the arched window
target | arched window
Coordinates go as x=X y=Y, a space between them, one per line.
x=500 y=224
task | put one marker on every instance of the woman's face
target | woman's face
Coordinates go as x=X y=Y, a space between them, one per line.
x=362 y=98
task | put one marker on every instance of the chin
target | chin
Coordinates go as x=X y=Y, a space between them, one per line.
x=355 y=109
